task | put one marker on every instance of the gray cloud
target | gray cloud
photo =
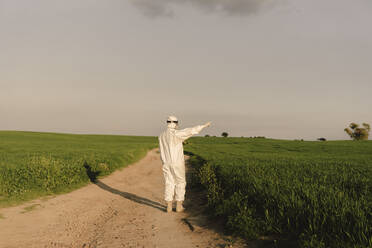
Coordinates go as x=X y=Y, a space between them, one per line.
x=158 y=8
x=154 y=8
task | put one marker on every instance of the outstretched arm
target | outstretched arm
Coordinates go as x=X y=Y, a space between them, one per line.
x=186 y=133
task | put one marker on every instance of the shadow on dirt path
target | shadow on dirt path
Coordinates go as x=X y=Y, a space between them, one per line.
x=138 y=199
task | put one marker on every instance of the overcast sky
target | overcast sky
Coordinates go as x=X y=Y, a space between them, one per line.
x=287 y=69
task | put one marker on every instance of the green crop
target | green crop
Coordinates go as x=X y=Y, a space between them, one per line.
x=37 y=164
x=316 y=193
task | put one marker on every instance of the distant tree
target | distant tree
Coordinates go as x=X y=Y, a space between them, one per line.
x=358 y=133
x=224 y=134
x=322 y=139
x=207 y=135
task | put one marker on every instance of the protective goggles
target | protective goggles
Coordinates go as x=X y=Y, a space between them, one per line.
x=172 y=121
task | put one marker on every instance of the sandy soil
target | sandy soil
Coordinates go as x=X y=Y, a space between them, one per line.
x=125 y=209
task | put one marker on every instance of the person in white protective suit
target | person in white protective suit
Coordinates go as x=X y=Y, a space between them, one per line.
x=171 y=153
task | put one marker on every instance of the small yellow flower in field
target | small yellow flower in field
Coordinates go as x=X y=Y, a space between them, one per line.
x=103 y=166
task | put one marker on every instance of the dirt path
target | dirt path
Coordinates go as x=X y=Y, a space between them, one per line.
x=125 y=209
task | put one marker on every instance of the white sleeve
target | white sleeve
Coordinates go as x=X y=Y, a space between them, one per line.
x=161 y=150
x=186 y=133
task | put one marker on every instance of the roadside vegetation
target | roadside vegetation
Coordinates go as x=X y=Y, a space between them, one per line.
x=298 y=194
x=39 y=164
x=358 y=133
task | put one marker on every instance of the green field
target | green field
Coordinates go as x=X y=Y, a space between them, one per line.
x=303 y=194
x=38 y=164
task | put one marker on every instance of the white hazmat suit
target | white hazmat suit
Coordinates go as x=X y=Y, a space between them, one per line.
x=171 y=153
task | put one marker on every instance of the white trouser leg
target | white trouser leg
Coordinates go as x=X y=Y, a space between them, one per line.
x=169 y=182
x=180 y=181
x=175 y=181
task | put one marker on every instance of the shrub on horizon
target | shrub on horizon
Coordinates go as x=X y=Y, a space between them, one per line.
x=358 y=133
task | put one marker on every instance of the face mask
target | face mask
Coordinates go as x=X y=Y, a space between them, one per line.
x=172 y=125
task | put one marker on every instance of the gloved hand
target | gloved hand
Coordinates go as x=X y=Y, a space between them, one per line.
x=207 y=124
